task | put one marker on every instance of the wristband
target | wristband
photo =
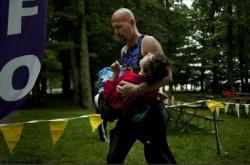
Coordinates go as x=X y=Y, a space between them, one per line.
x=140 y=90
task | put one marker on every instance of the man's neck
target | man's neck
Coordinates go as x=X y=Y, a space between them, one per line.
x=133 y=40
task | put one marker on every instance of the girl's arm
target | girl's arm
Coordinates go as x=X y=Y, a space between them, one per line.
x=116 y=70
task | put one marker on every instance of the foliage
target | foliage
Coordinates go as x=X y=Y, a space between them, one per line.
x=53 y=66
x=195 y=39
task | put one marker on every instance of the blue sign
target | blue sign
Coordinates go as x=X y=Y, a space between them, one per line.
x=22 y=44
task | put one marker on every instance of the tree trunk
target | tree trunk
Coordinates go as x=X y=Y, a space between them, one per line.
x=241 y=41
x=43 y=81
x=202 y=77
x=36 y=94
x=230 y=46
x=171 y=90
x=215 y=83
x=75 y=78
x=241 y=49
x=65 y=72
x=85 y=83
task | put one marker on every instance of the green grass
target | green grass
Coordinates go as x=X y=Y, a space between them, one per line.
x=78 y=145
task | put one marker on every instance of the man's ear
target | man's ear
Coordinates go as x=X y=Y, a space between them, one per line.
x=132 y=21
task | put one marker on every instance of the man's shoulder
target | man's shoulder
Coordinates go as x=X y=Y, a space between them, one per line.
x=149 y=40
x=150 y=45
x=148 y=37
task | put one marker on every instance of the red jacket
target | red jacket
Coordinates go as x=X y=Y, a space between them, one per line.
x=115 y=99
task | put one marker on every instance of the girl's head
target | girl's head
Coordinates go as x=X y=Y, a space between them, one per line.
x=154 y=67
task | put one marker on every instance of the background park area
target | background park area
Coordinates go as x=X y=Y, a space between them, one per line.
x=207 y=43
x=79 y=145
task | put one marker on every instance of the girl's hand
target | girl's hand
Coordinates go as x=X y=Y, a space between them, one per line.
x=116 y=67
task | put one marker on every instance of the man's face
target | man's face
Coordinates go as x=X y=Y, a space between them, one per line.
x=122 y=28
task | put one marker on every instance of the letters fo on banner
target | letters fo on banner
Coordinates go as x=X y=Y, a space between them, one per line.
x=22 y=43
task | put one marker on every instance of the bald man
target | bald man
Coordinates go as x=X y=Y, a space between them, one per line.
x=151 y=128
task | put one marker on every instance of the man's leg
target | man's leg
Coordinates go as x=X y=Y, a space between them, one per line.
x=120 y=144
x=156 y=148
x=157 y=151
x=102 y=129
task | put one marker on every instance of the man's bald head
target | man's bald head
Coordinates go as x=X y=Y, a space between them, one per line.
x=123 y=14
x=124 y=25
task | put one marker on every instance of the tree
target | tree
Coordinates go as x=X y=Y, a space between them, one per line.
x=85 y=85
x=229 y=45
x=242 y=15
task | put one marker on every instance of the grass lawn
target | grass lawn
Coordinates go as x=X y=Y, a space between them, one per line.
x=78 y=145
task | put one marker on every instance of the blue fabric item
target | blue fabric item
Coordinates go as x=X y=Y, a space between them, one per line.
x=138 y=117
x=104 y=75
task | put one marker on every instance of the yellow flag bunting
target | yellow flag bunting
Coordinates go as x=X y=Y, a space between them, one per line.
x=56 y=129
x=13 y=131
x=213 y=105
x=95 y=121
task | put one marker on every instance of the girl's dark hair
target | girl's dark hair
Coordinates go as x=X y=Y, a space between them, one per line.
x=156 y=68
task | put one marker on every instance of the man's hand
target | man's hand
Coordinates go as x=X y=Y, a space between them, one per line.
x=127 y=88
x=162 y=96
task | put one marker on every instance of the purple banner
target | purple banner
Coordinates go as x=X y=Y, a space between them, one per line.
x=22 y=44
